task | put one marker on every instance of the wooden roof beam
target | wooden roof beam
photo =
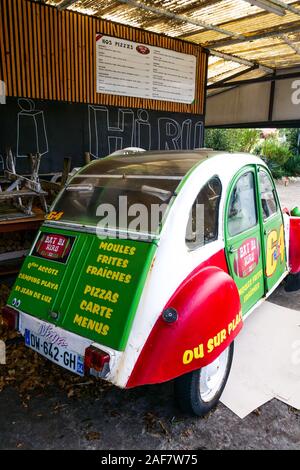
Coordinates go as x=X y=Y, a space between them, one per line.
x=186 y=9
x=268 y=6
x=266 y=78
x=239 y=60
x=287 y=7
x=233 y=76
x=274 y=6
x=290 y=43
x=66 y=4
x=181 y=18
x=293 y=28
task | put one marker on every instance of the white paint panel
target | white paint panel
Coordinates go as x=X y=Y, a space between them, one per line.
x=247 y=103
x=287 y=100
x=250 y=103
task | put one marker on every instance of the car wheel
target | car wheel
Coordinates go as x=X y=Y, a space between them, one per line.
x=292 y=282
x=198 y=392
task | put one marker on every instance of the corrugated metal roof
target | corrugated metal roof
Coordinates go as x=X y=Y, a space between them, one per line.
x=223 y=69
x=238 y=17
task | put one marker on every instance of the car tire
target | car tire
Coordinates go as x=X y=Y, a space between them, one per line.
x=292 y=282
x=192 y=390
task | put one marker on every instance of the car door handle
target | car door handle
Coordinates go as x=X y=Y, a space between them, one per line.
x=233 y=250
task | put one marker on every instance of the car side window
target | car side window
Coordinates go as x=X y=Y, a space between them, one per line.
x=202 y=226
x=242 y=213
x=267 y=195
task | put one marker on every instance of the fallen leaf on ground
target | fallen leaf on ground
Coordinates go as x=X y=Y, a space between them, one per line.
x=257 y=412
x=93 y=436
x=30 y=373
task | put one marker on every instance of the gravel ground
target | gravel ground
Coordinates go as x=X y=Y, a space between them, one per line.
x=145 y=418
x=289 y=195
x=52 y=410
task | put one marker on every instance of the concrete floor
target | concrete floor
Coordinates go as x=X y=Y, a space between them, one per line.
x=289 y=195
x=143 y=418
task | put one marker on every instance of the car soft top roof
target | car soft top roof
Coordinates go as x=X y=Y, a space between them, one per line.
x=155 y=163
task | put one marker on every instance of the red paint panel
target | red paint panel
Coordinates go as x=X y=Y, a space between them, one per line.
x=217 y=259
x=209 y=318
x=294 y=249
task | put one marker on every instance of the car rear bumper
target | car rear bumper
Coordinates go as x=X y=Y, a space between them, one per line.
x=62 y=338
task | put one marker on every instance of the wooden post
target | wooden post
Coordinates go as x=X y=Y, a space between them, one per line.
x=87 y=158
x=66 y=170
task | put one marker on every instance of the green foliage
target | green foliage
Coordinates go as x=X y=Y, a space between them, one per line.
x=277 y=170
x=292 y=138
x=246 y=139
x=276 y=154
x=232 y=140
x=292 y=166
x=217 y=139
x=275 y=151
x=283 y=158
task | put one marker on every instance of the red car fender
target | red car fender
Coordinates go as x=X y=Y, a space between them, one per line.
x=294 y=249
x=209 y=318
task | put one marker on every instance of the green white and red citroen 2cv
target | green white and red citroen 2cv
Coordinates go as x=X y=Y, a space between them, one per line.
x=143 y=299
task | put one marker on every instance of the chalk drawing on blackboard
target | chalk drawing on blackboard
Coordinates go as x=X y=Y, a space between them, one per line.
x=175 y=136
x=31 y=130
x=169 y=134
x=2 y=92
x=111 y=130
x=108 y=133
x=142 y=134
x=198 y=135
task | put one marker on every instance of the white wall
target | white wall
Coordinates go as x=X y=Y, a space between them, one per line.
x=250 y=103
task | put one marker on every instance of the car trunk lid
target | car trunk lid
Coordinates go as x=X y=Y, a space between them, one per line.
x=84 y=284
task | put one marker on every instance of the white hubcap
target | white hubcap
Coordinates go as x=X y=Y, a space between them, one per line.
x=211 y=376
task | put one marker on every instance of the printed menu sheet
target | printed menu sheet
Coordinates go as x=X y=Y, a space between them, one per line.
x=129 y=68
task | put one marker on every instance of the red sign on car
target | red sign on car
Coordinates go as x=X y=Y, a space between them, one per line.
x=247 y=257
x=54 y=247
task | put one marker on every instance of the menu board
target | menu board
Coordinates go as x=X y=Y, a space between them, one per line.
x=129 y=68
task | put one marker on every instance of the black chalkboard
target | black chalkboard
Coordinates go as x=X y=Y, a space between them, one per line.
x=58 y=129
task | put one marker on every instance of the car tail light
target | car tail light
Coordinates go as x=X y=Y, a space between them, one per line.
x=10 y=317
x=96 y=361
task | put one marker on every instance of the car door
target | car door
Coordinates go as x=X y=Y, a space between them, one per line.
x=273 y=229
x=243 y=238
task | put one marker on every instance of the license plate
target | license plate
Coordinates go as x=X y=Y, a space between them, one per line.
x=57 y=354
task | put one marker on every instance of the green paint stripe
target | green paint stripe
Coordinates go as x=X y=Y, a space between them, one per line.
x=137 y=297
x=71 y=269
